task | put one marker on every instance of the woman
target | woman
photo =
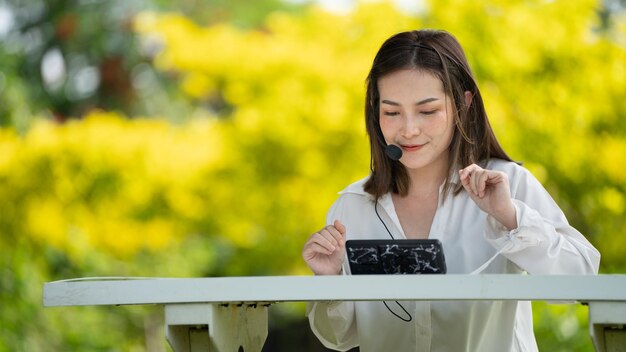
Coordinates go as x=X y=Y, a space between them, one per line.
x=453 y=182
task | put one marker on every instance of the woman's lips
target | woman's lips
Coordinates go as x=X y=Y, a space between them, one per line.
x=411 y=147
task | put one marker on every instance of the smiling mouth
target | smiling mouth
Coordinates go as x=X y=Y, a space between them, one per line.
x=412 y=147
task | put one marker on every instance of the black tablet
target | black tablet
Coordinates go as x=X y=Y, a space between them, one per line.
x=395 y=257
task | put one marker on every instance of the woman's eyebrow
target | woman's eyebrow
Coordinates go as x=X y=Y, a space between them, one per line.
x=421 y=102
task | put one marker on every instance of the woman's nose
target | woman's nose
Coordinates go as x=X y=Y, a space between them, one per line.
x=411 y=127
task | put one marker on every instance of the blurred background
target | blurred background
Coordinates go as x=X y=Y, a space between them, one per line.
x=208 y=138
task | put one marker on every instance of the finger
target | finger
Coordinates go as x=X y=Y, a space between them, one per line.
x=478 y=180
x=472 y=167
x=466 y=173
x=313 y=249
x=342 y=232
x=465 y=180
x=496 y=177
x=481 y=183
x=324 y=242
x=473 y=182
x=328 y=234
x=322 y=237
x=463 y=176
x=340 y=227
x=337 y=232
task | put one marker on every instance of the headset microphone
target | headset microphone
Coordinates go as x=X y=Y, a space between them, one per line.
x=393 y=152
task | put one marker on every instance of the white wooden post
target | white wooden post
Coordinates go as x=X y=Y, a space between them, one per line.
x=607 y=326
x=191 y=327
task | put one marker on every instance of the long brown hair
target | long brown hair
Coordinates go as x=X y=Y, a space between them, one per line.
x=440 y=54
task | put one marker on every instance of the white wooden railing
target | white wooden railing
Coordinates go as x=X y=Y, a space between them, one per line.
x=230 y=313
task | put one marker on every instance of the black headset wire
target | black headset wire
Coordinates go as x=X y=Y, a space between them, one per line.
x=398 y=303
x=381 y=139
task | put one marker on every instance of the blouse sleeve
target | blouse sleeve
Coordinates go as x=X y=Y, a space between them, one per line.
x=334 y=323
x=543 y=242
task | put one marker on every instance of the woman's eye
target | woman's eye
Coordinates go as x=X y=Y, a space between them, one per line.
x=391 y=113
x=429 y=112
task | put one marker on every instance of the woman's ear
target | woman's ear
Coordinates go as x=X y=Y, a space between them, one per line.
x=468 y=98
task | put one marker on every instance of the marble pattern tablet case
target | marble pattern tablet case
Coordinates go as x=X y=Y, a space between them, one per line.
x=396 y=257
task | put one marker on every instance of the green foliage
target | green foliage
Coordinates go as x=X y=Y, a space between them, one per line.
x=276 y=131
x=561 y=327
x=64 y=58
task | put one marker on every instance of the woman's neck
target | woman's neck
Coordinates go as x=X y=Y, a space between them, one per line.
x=428 y=179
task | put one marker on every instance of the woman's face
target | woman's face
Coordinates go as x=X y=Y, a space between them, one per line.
x=417 y=116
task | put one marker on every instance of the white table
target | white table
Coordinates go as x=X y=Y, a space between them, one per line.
x=230 y=313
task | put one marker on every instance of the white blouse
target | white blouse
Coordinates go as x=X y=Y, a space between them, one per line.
x=543 y=243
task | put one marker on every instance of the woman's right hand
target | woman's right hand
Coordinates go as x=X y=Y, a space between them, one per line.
x=323 y=252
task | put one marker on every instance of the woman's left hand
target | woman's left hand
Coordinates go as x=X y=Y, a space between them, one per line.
x=489 y=189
